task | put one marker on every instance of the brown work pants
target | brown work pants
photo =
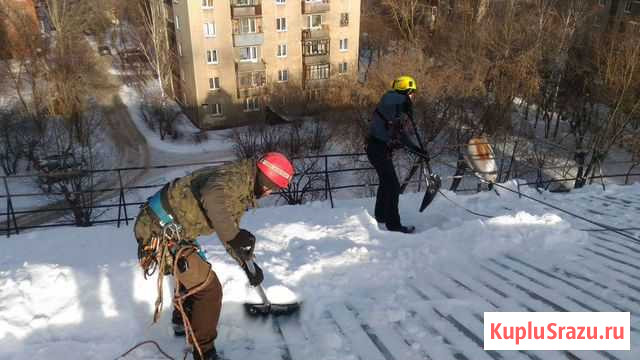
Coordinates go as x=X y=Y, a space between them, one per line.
x=206 y=303
x=195 y=274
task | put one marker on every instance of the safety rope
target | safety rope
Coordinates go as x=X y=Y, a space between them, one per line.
x=178 y=297
x=157 y=260
x=465 y=209
x=149 y=342
x=604 y=226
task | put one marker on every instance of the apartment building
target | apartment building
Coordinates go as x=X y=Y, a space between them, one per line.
x=232 y=52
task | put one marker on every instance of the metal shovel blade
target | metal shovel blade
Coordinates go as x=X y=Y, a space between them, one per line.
x=267 y=307
x=433 y=187
x=271 y=309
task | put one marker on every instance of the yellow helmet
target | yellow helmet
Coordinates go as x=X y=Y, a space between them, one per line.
x=405 y=83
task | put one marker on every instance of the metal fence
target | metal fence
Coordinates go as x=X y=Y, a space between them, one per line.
x=125 y=198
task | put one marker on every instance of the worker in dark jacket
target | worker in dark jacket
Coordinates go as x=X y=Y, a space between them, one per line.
x=209 y=200
x=388 y=132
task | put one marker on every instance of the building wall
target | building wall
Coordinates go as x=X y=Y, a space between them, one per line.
x=195 y=71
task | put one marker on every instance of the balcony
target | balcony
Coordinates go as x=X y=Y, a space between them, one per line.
x=240 y=8
x=321 y=32
x=313 y=6
x=247 y=32
x=248 y=66
x=315 y=51
x=251 y=83
x=316 y=75
x=315 y=59
x=248 y=39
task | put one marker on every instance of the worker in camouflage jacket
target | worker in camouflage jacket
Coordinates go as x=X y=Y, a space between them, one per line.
x=208 y=200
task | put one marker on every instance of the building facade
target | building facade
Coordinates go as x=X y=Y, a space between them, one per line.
x=232 y=52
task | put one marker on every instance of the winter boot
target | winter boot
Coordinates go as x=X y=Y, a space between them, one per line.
x=176 y=317
x=404 y=229
x=211 y=354
x=177 y=324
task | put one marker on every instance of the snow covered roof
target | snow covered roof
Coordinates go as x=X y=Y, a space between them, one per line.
x=77 y=293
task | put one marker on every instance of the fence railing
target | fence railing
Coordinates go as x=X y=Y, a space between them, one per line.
x=120 y=198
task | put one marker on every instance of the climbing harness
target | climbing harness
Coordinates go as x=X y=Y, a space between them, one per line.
x=171 y=246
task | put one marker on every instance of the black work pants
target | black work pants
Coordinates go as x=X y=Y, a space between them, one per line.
x=386 y=209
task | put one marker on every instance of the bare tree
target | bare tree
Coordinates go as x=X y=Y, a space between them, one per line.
x=151 y=37
x=617 y=66
x=66 y=166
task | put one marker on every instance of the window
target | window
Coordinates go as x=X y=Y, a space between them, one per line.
x=343 y=45
x=249 y=54
x=213 y=109
x=344 y=19
x=283 y=75
x=317 y=72
x=214 y=83
x=627 y=6
x=207 y=4
x=209 y=29
x=281 y=24
x=251 y=104
x=282 y=50
x=212 y=56
x=280 y=2
x=177 y=23
x=247 y=25
x=342 y=68
x=314 y=21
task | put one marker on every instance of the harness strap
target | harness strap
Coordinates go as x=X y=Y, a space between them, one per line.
x=156 y=205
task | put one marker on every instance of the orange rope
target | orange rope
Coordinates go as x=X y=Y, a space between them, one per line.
x=178 y=298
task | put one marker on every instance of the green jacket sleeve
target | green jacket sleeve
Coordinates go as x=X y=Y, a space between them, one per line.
x=214 y=202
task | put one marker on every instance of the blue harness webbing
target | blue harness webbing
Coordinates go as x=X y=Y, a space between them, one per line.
x=155 y=203
x=165 y=219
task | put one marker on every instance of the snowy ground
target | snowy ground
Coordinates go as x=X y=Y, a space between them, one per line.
x=216 y=143
x=73 y=293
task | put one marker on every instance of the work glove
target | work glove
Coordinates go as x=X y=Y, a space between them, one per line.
x=256 y=277
x=241 y=246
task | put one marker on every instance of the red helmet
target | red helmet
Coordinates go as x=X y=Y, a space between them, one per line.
x=277 y=168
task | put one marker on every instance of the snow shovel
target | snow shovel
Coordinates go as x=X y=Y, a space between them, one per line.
x=267 y=307
x=433 y=181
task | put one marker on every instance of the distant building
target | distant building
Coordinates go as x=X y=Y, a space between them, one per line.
x=230 y=51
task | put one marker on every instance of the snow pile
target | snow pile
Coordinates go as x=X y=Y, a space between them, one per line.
x=72 y=293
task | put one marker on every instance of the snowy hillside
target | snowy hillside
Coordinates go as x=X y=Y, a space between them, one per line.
x=73 y=293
